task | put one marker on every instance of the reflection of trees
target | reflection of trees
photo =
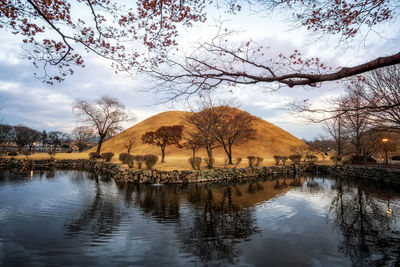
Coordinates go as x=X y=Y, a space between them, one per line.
x=100 y=217
x=214 y=229
x=254 y=186
x=313 y=185
x=161 y=202
x=369 y=236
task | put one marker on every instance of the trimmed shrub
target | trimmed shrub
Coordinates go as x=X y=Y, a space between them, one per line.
x=258 y=161
x=295 y=158
x=226 y=163
x=284 y=159
x=107 y=156
x=195 y=162
x=12 y=154
x=251 y=160
x=139 y=160
x=395 y=158
x=150 y=160
x=277 y=159
x=237 y=161
x=311 y=158
x=130 y=160
x=209 y=161
x=124 y=157
x=26 y=153
x=336 y=159
x=361 y=160
x=94 y=155
x=52 y=154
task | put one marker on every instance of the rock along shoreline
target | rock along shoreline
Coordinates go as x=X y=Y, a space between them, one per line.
x=119 y=173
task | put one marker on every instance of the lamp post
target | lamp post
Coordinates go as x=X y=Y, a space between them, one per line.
x=33 y=149
x=385 y=141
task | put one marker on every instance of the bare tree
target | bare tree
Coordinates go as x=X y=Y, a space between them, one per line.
x=164 y=136
x=105 y=116
x=5 y=132
x=202 y=125
x=55 y=138
x=334 y=126
x=233 y=127
x=192 y=143
x=83 y=136
x=129 y=143
x=380 y=90
x=24 y=135
x=53 y=33
x=321 y=144
x=356 y=121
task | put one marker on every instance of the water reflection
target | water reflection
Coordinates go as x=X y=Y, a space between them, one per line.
x=370 y=235
x=214 y=229
x=82 y=218
x=99 y=217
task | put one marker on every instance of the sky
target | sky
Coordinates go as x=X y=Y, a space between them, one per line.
x=26 y=100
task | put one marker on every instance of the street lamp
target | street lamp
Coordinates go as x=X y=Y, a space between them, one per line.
x=34 y=144
x=385 y=141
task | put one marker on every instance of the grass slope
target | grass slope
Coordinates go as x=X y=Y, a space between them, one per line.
x=270 y=140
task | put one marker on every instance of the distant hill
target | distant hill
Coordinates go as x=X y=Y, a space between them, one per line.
x=270 y=139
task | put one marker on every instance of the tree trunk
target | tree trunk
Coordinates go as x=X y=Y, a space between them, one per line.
x=210 y=158
x=99 y=143
x=230 y=153
x=162 y=154
x=194 y=153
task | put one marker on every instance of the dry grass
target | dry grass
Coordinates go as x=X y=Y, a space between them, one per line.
x=42 y=155
x=270 y=140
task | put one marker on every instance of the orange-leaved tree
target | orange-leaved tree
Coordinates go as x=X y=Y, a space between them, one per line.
x=163 y=137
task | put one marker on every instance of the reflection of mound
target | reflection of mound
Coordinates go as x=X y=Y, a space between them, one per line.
x=269 y=140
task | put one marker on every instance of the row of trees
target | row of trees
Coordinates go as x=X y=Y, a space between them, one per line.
x=100 y=120
x=366 y=119
x=218 y=126
x=24 y=136
x=208 y=128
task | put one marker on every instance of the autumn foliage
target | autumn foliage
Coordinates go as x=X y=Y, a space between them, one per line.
x=163 y=137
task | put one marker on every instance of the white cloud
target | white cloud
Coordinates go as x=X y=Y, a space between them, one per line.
x=23 y=99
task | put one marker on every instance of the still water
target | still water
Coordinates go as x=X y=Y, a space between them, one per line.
x=77 y=218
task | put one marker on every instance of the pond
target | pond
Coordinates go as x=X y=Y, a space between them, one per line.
x=78 y=218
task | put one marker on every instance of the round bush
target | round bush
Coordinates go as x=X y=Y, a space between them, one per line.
x=94 y=155
x=258 y=161
x=251 y=160
x=195 y=162
x=139 y=160
x=123 y=157
x=52 y=154
x=150 y=160
x=277 y=158
x=12 y=153
x=295 y=158
x=107 y=156
x=311 y=158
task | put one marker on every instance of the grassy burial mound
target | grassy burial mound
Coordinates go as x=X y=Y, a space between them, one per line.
x=269 y=140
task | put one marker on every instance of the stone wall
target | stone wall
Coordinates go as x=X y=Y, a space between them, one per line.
x=119 y=173
x=363 y=173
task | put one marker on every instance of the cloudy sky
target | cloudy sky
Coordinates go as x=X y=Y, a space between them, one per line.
x=26 y=100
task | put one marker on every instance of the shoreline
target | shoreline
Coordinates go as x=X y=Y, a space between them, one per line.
x=121 y=174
